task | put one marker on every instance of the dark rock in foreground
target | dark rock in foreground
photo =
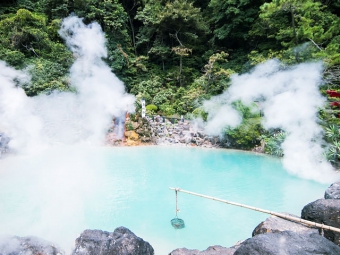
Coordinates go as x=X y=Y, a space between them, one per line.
x=287 y=242
x=27 y=246
x=212 y=250
x=122 y=241
x=333 y=191
x=275 y=224
x=324 y=211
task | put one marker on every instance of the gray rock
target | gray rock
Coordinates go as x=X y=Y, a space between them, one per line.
x=145 y=139
x=276 y=224
x=184 y=251
x=186 y=127
x=200 y=133
x=287 y=243
x=120 y=242
x=326 y=211
x=333 y=191
x=199 y=141
x=212 y=250
x=182 y=140
x=28 y=246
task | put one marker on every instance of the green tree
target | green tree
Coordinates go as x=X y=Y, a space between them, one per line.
x=177 y=26
x=55 y=9
x=214 y=74
x=293 y=22
x=26 y=42
x=232 y=19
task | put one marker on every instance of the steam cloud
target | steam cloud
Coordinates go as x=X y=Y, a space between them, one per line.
x=63 y=181
x=65 y=117
x=290 y=100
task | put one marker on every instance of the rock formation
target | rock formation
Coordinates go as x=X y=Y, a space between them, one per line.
x=120 y=242
x=287 y=242
x=275 y=224
x=326 y=211
x=212 y=250
x=27 y=246
x=333 y=191
x=160 y=131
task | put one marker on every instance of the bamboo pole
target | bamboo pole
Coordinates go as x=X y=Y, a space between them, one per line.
x=281 y=215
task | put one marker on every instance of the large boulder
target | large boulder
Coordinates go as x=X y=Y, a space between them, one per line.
x=212 y=250
x=287 y=242
x=27 y=246
x=333 y=191
x=276 y=224
x=120 y=242
x=326 y=211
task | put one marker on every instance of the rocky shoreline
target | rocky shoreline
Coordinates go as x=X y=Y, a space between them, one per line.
x=271 y=237
x=160 y=131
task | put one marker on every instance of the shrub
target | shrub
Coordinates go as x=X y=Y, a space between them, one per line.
x=245 y=136
x=151 y=109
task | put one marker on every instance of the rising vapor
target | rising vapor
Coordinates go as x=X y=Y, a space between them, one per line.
x=290 y=100
x=53 y=206
x=65 y=117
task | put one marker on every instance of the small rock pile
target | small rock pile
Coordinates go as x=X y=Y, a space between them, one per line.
x=182 y=133
x=160 y=131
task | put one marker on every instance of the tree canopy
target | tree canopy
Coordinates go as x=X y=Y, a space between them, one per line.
x=174 y=53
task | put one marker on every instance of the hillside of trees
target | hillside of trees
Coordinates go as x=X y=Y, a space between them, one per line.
x=177 y=53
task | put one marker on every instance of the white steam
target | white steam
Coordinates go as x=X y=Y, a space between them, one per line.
x=53 y=207
x=65 y=117
x=290 y=100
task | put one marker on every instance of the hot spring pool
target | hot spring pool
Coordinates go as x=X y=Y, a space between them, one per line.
x=62 y=191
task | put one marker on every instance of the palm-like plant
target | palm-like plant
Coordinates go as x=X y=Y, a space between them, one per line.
x=273 y=143
x=333 y=152
x=332 y=134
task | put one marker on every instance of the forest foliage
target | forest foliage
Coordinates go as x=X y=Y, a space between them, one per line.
x=176 y=53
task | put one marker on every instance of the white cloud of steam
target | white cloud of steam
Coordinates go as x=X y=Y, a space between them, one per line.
x=53 y=207
x=216 y=123
x=17 y=116
x=65 y=117
x=290 y=100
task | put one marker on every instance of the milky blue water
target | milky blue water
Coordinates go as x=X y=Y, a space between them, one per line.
x=60 y=192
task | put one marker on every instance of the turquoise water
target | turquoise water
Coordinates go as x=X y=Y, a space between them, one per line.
x=60 y=192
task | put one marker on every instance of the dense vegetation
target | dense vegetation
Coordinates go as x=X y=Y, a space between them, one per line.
x=176 y=53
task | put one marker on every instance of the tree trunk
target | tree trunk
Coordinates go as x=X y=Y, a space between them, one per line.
x=294 y=34
x=180 y=70
x=133 y=35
